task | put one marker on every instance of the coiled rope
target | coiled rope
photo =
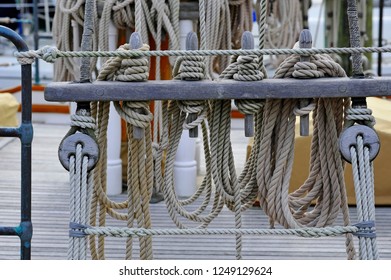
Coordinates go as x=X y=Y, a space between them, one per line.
x=267 y=171
x=140 y=161
x=324 y=186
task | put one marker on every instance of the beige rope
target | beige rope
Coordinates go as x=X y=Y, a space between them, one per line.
x=80 y=193
x=324 y=186
x=66 y=12
x=266 y=173
x=284 y=24
x=363 y=179
x=140 y=175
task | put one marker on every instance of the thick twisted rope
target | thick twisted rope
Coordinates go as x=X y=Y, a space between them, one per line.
x=191 y=68
x=81 y=186
x=173 y=127
x=140 y=166
x=363 y=185
x=363 y=179
x=300 y=232
x=82 y=121
x=325 y=185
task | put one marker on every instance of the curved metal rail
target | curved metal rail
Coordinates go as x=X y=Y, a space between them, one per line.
x=25 y=133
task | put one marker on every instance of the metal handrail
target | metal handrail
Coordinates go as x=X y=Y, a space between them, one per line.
x=25 y=133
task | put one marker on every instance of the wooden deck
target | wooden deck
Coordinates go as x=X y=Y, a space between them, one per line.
x=50 y=216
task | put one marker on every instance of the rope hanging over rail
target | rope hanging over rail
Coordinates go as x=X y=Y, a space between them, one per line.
x=140 y=161
x=324 y=186
x=309 y=211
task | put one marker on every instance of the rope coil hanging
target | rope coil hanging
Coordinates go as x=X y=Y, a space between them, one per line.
x=325 y=185
x=266 y=174
x=140 y=175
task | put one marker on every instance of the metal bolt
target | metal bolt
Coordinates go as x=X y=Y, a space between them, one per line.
x=191 y=45
x=136 y=43
x=248 y=44
x=305 y=42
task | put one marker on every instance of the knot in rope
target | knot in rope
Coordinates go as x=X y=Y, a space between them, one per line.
x=135 y=113
x=82 y=121
x=193 y=107
x=359 y=115
x=156 y=150
x=26 y=57
x=248 y=106
x=306 y=70
x=304 y=110
x=47 y=53
x=248 y=69
x=135 y=69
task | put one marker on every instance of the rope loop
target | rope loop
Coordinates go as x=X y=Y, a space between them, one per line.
x=359 y=115
x=134 y=69
x=304 y=110
x=306 y=70
x=248 y=69
x=82 y=121
x=190 y=68
x=248 y=106
x=25 y=60
x=129 y=111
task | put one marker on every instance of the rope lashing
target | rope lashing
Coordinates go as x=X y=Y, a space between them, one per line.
x=359 y=115
x=53 y=53
x=83 y=121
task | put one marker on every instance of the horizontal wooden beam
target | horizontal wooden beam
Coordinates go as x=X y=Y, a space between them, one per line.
x=225 y=89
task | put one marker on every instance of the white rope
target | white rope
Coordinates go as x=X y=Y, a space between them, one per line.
x=80 y=193
x=301 y=232
x=266 y=173
x=363 y=179
x=324 y=186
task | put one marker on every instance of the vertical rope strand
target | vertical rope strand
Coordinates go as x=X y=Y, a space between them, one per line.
x=363 y=184
x=262 y=30
x=354 y=33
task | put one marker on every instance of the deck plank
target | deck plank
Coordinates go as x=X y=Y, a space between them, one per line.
x=50 y=212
